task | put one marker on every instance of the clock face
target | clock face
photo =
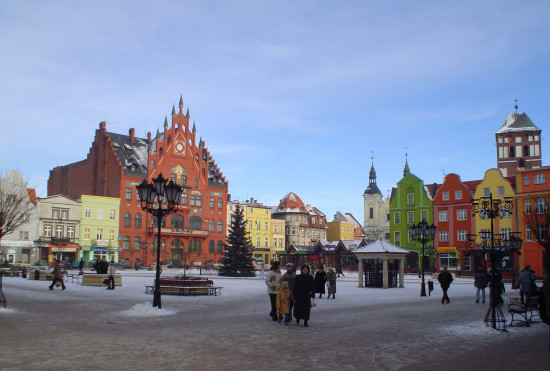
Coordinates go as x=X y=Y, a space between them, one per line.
x=180 y=147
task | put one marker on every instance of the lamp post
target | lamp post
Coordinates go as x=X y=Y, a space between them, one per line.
x=159 y=199
x=423 y=233
x=495 y=245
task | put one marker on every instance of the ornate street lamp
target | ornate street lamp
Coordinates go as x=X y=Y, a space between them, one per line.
x=423 y=233
x=495 y=245
x=159 y=199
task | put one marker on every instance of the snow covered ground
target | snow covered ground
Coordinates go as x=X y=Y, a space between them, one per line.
x=92 y=328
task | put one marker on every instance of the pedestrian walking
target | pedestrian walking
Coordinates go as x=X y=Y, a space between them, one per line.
x=290 y=277
x=525 y=282
x=445 y=279
x=320 y=280
x=273 y=281
x=111 y=276
x=480 y=282
x=57 y=276
x=339 y=271
x=81 y=266
x=331 y=283
x=304 y=292
x=284 y=296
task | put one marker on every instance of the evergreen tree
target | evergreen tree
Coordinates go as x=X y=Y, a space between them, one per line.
x=238 y=250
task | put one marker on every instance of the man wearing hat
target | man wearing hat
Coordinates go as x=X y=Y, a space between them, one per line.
x=290 y=277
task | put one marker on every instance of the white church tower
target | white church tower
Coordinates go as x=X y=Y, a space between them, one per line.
x=376 y=222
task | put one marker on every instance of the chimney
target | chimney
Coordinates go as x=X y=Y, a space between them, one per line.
x=229 y=197
x=131 y=133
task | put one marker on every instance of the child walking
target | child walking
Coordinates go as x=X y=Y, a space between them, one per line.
x=283 y=303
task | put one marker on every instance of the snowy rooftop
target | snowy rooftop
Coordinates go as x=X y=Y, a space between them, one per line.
x=517 y=122
x=380 y=247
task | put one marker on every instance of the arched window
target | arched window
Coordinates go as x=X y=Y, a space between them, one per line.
x=127 y=220
x=220 y=246
x=195 y=223
x=137 y=243
x=196 y=182
x=137 y=222
x=210 y=246
x=126 y=243
x=371 y=212
x=155 y=223
x=177 y=222
x=211 y=225
x=220 y=226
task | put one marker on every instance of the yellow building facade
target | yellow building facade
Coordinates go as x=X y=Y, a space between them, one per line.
x=340 y=229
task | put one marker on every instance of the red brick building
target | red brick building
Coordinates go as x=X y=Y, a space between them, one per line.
x=116 y=163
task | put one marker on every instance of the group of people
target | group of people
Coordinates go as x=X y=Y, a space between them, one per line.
x=327 y=279
x=58 y=275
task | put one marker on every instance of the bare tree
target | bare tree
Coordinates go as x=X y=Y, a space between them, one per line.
x=15 y=203
x=536 y=217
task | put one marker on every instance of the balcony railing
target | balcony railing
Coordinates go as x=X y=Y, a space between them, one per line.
x=180 y=232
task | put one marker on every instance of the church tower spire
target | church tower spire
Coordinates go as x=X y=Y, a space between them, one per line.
x=406 y=170
x=372 y=189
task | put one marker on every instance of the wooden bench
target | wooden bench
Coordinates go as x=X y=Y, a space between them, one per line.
x=178 y=282
x=523 y=310
x=185 y=290
x=97 y=279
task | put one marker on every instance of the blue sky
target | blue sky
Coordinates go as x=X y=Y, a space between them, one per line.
x=290 y=96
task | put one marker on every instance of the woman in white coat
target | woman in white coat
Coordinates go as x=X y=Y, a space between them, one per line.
x=273 y=282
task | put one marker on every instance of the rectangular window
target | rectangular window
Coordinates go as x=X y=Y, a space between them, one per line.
x=86 y=233
x=220 y=203
x=528 y=234
x=410 y=217
x=425 y=215
x=250 y=225
x=505 y=233
x=24 y=236
x=199 y=200
x=87 y=213
x=128 y=193
x=258 y=242
x=193 y=201
x=99 y=234
x=461 y=214
x=112 y=214
x=443 y=236
x=410 y=198
x=539 y=179
x=59 y=231
x=266 y=226
x=65 y=214
x=443 y=215
x=462 y=235
x=55 y=214
x=486 y=192
x=540 y=206
x=500 y=191
x=212 y=202
x=274 y=229
x=137 y=243
x=396 y=218
x=266 y=242
x=111 y=234
x=184 y=197
x=100 y=213
x=47 y=231
x=445 y=195
x=526 y=180
x=70 y=232
x=458 y=194
x=397 y=236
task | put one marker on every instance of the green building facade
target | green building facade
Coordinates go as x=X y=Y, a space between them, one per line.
x=99 y=228
x=409 y=204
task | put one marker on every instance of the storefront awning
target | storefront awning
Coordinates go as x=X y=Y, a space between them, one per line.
x=95 y=248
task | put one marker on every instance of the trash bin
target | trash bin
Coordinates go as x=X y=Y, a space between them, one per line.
x=36 y=275
x=430 y=286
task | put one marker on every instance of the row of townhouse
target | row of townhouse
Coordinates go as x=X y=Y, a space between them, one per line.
x=520 y=175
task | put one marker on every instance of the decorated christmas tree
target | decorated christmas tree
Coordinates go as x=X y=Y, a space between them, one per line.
x=238 y=250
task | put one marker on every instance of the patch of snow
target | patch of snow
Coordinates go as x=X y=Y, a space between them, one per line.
x=146 y=310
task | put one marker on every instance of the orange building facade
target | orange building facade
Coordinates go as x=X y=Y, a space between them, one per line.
x=117 y=163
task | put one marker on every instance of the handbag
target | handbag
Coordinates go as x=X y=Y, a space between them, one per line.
x=105 y=281
x=313 y=303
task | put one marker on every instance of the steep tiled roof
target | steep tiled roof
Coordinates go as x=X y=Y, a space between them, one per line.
x=132 y=156
x=517 y=122
x=291 y=203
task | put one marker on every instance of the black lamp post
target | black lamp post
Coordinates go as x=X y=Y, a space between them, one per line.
x=495 y=245
x=423 y=233
x=159 y=199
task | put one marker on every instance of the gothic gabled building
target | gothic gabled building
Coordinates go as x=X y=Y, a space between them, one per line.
x=116 y=163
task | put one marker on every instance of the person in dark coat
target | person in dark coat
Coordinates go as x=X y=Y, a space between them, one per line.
x=525 y=282
x=320 y=280
x=445 y=279
x=57 y=276
x=480 y=282
x=81 y=266
x=304 y=291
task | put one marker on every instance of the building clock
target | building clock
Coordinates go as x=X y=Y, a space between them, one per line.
x=179 y=147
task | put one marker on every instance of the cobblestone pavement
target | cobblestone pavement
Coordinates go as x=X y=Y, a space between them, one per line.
x=75 y=330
